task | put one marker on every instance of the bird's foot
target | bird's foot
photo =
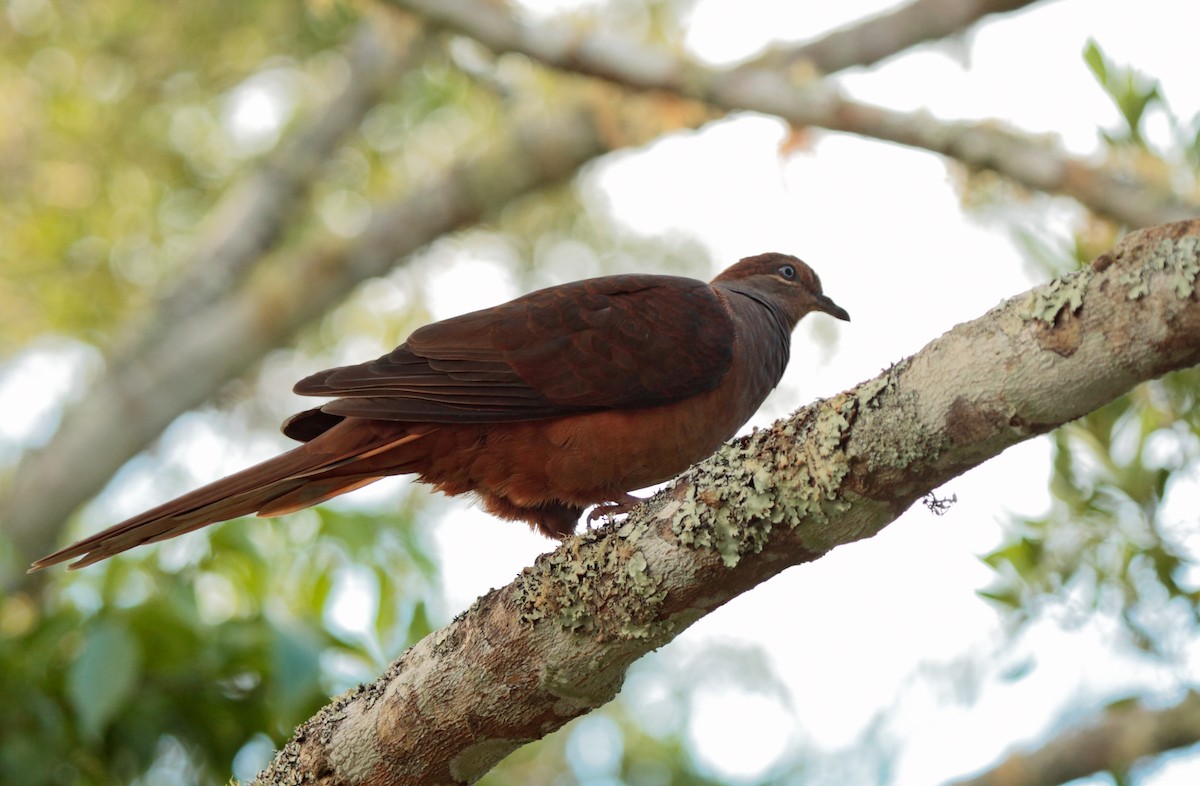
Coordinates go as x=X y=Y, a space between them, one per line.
x=624 y=504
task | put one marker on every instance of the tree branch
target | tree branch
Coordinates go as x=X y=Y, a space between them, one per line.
x=191 y=358
x=809 y=101
x=879 y=37
x=1114 y=744
x=556 y=642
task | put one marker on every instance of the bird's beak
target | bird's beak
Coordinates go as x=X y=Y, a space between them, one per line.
x=832 y=309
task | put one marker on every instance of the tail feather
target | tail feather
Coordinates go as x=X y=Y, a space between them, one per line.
x=304 y=476
x=312 y=493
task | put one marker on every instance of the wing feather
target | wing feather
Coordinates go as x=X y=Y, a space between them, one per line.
x=615 y=342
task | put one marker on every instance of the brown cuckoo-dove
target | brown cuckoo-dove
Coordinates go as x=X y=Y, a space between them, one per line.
x=565 y=398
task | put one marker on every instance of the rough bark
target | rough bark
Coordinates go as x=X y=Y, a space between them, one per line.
x=556 y=642
x=1122 y=736
x=803 y=99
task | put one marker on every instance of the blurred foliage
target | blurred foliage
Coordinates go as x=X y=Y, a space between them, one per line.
x=119 y=146
x=1170 y=163
x=642 y=737
x=1112 y=542
x=1131 y=91
x=1136 y=97
x=606 y=746
x=209 y=644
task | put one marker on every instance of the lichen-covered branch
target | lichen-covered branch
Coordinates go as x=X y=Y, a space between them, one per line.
x=1122 y=736
x=191 y=358
x=556 y=642
x=803 y=99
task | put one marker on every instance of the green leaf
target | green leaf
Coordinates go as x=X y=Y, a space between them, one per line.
x=1129 y=90
x=1024 y=555
x=103 y=676
x=1006 y=597
x=1095 y=61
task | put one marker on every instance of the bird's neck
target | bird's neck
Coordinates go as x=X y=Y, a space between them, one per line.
x=767 y=328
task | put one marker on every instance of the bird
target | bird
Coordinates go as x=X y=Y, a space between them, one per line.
x=565 y=398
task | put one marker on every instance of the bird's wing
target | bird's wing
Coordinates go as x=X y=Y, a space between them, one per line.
x=614 y=342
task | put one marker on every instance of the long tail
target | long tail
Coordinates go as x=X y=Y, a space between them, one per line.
x=333 y=463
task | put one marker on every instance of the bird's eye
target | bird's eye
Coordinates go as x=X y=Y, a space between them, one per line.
x=788 y=272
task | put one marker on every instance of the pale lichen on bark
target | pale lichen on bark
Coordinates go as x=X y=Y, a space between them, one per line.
x=1064 y=293
x=599 y=588
x=788 y=474
x=1179 y=259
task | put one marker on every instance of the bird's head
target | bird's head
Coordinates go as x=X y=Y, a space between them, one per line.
x=782 y=280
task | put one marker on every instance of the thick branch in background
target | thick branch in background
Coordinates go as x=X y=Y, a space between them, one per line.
x=880 y=37
x=193 y=357
x=810 y=101
x=1123 y=735
x=254 y=214
x=556 y=643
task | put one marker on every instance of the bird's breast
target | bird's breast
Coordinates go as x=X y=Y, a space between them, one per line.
x=594 y=457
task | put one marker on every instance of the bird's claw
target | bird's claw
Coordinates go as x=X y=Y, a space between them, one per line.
x=616 y=507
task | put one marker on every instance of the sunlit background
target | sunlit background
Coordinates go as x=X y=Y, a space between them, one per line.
x=880 y=663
